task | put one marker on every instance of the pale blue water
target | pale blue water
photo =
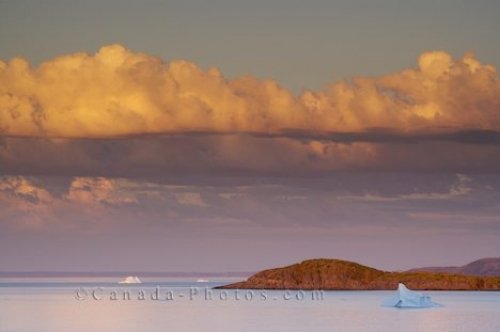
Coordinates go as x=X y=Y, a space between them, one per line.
x=41 y=306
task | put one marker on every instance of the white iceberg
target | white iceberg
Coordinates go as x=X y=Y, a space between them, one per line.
x=406 y=298
x=130 y=280
x=202 y=280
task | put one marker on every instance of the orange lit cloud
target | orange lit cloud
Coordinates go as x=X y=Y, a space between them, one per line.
x=121 y=113
x=24 y=202
x=117 y=92
x=97 y=190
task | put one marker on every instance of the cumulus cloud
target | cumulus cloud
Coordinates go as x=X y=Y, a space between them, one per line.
x=338 y=201
x=117 y=92
x=91 y=203
x=23 y=203
x=122 y=113
x=21 y=187
x=88 y=190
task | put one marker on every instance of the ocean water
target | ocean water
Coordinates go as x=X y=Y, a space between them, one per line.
x=84 y=305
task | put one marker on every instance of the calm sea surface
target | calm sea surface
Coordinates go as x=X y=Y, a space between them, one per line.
x=74 y=305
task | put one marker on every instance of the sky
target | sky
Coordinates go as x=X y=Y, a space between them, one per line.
x=236 y=136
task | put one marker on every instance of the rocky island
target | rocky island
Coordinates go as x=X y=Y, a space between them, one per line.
x=334 y=274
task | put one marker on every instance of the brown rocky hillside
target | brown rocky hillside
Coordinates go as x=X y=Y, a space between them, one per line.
x=333 y=274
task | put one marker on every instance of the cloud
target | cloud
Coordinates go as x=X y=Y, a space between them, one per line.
x=117 y=92
x=457 y=189
x=121 y=113
x=231 y=195
x=22 y=188
x=23 y=203
x=193 y=199
x=96 y=205
x=29 y=202
x=87 y=190
x=91 y=203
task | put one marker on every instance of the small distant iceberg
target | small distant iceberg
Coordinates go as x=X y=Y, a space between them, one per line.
x=406 y=298
x=131 y=280
x=202 y=280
